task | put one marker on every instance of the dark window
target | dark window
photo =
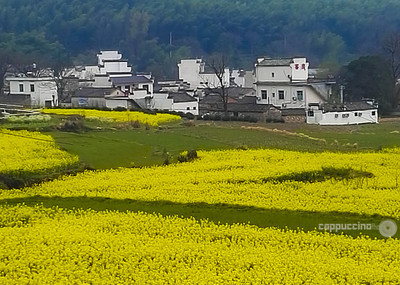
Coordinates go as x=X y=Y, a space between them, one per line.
x=336 y=115
x=359 y=114
x=194 y=108
x=356 y=114
x=187 y=108
x=21 y=87
x=311 y=113
x=345 y=115
x=273 y=94
x=32 y=88
x=273 y=74
x=300 y=95
x=281 y=94
x=373 y=113
x=264 y=94
x=146 y=87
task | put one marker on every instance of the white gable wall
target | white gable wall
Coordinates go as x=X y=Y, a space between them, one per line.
x=43 y=90
x=273 y=73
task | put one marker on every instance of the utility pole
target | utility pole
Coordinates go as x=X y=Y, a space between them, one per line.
x=170 y=44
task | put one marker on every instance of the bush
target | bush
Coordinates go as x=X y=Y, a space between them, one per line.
x=73 y=123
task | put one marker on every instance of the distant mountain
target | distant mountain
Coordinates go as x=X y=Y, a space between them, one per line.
x=153 y=35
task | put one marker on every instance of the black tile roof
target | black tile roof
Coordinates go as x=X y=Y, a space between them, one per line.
x=180 y=97
x=133 y=79
x=93 y=92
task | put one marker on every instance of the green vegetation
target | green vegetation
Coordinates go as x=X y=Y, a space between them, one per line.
x=327 y=32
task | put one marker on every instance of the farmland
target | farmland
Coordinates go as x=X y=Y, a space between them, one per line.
x=249 y=209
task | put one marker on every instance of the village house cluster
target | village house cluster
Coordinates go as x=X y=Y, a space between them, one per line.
x=278 y=89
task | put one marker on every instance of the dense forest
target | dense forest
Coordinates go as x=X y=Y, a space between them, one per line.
x=154 y=35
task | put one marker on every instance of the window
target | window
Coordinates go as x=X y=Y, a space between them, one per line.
x=300 y=95
x=32 y=88
x=359 y=114
x=146 y=87
x=194 y=108
x=273 y=74
x=281 y=94
x=336 y=116
x=356 y=114
x=273 y=94
x=373 y=113
x=187 y=108
x=127 y=88
x=264 y=94
x=311 y=113
x=21 y=87
x=345 y=115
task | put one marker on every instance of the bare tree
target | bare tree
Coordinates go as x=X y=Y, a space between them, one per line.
x=218 y=67
x=391 y=46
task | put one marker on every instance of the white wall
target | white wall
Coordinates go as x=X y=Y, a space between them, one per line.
x=291 y=99
x=343 y=118
x=192 y=71
x=108 y=55
x=273 y=73
x=44 y=89
x=160 y=101
x=211 y=80
x=101 y=81
x=189 y=70
x=187 y=107
x=115 y=103
x=116 y=67
x=299 y=69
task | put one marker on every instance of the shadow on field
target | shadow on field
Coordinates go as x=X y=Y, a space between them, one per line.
x=217 y=213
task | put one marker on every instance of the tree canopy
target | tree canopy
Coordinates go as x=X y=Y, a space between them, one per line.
x=324 y=31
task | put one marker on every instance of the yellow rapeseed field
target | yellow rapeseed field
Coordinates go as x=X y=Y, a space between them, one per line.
x=31 y=151
x=45 y=244
x=118 y=116
x=54 y=246
x=247 y=178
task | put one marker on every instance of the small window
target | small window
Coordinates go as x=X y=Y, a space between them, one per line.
x=373 y=113
x=345 y=115
x=359 y=114
x=273 y=74
x=21 y=87
x=281 y=94
x=194 y=108
x=264 y=94
x=32 y=88
x=187 y=108
x=356 y=114
x=300 y=95
x=336 y=116
x=273 y=94
x=310 y=113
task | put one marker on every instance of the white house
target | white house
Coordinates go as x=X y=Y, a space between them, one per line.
x=175 y=101
x=110 y=64
x=199 y=75
x=284 y=83
x=134 y=86
x=348 y=113
x=41 y=91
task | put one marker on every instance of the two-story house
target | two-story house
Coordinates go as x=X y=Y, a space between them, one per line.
x=32 y=91
x=284 y=83
x=199 y=75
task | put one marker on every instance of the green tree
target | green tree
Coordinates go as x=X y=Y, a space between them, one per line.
x=369 y=77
